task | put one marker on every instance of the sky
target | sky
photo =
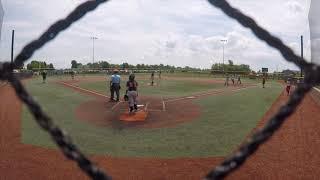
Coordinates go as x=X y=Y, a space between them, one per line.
x=314 y=23
x=174 y=32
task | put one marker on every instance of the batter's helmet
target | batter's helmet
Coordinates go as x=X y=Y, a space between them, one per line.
x=131 y=77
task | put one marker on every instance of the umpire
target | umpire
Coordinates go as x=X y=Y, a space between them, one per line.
x=115 y=85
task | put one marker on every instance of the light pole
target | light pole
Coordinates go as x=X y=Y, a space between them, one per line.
x=223 y=43
x=301 y=70
x=93 y=38
x=12 y=46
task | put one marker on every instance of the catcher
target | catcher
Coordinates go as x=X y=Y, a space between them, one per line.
x=132 y=93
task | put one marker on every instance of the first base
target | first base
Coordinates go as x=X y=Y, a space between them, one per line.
x=134 y=117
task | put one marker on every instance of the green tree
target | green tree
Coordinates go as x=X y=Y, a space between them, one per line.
x=230 y=62
x=125 y=65
x=51 y=66
x=74 y=64
x=33 y=65
x=104 y=64
x=231 y=67
x=216 y=66
x=79 y=65
x=95 y=65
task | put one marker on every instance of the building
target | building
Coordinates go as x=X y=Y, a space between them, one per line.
x=314 y=23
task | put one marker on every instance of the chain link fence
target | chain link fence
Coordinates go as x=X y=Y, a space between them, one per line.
x=70 y=150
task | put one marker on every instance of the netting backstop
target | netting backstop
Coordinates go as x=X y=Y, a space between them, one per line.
x=70 y=150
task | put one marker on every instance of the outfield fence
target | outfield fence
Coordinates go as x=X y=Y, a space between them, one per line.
x=70 y=150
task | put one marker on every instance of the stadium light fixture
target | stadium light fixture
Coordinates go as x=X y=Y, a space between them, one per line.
x=224 y=41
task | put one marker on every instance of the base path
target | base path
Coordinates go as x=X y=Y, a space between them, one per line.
x=232 y=89
x=292 y=153
x=82 y=90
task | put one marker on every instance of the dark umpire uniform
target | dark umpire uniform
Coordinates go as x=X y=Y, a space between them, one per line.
x=115 y=85
x=44 y=76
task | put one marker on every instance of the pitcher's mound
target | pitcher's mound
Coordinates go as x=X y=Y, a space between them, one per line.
x=102 y=113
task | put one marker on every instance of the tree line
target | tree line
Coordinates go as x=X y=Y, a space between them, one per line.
x=33 y=65
x=125 y=65
x=217 y=67
x=231 y=67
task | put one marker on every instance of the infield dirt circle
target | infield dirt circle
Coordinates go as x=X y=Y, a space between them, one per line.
x=160 y=114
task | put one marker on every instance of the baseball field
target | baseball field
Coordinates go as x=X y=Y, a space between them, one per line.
x=180 y=111
x=192 y=124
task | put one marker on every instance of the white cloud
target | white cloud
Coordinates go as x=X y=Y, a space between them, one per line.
x=180 y=32
x=295 y=7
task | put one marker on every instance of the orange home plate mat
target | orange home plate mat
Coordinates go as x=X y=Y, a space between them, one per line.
x=140 y=115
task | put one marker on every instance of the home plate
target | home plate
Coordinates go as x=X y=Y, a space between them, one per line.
x=191 y=97
x=134 y=117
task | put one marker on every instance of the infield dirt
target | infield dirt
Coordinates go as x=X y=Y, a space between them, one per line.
x=292 y=153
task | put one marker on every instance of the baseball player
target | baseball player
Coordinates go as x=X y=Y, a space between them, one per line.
x=232 y=79
x=227 y=81
x=263 y=81
x=288 y=88
x=152 y=78
x=239 y=80
x=72 y=75
x=132 y=91
x=44 y=76
x=115 y=85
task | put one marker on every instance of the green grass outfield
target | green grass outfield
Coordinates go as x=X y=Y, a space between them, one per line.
x=180 y=86
x=224 y=122
x=172 y=88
